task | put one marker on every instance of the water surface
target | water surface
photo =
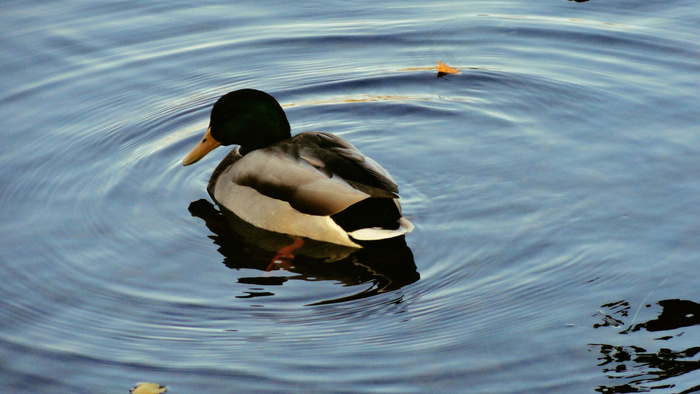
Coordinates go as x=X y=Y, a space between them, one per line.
x=553 y=183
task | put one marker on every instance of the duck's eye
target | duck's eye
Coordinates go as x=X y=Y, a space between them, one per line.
x=204 y=140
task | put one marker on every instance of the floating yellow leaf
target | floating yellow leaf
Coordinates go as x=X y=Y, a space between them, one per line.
x=443 y=69
x=148 y=388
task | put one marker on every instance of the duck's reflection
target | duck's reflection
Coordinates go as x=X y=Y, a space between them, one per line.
x=387 y=265
x=635 y=367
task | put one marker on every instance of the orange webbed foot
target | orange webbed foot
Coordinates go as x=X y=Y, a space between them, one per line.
x=284 y=257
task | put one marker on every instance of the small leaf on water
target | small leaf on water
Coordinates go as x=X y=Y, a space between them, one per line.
x=443 y=68
x=148 y=388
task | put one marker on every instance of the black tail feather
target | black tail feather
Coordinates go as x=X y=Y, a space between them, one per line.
x=368 y=213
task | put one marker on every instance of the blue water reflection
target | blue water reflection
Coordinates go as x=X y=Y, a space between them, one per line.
x=553 y=184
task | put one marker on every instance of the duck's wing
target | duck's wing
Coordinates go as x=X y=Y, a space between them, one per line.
x=341 y=157
x=316 y=173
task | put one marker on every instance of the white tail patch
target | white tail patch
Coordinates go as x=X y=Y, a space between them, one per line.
x=377 y=233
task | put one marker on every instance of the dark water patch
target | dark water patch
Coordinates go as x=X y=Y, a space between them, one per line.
x=640 y=362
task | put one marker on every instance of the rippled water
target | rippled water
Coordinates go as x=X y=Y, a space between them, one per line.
x=553 y=183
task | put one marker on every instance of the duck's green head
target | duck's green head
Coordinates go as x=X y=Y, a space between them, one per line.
x=247 y=117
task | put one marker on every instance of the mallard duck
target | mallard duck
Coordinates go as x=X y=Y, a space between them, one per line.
x=314 y=185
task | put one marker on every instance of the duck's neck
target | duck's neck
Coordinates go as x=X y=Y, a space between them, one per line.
x=264 y=135
x=228 y=161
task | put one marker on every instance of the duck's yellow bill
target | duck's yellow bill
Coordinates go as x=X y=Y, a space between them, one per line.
x=205 y=145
